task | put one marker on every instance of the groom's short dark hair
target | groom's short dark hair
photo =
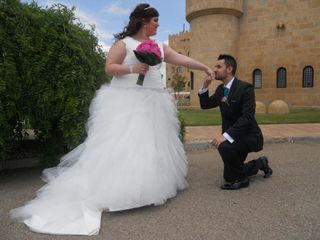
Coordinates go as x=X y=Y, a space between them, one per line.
x=229 y=61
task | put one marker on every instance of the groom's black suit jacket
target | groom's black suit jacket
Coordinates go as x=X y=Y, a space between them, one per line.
x=238 y=113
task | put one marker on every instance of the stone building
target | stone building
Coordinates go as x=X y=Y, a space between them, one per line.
x=181 y=43
x=276 y=44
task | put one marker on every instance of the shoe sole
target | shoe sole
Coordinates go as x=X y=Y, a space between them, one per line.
x=268 y=175
x=245 y=186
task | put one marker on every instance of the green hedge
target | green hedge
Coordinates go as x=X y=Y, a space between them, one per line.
x=50 y=68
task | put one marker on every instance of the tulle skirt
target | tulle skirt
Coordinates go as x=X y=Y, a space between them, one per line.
x=132 y=157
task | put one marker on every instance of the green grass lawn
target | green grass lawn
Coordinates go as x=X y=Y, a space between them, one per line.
x=200 y=117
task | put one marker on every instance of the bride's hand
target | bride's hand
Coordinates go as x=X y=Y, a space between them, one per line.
x=210 y=73
x=140 y=68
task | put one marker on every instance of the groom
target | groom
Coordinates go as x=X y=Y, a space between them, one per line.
x=240 y=131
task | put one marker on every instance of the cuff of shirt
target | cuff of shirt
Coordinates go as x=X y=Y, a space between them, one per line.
x=203 y=90
x=227 y=136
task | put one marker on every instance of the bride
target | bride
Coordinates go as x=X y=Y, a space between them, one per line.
x=132 y=155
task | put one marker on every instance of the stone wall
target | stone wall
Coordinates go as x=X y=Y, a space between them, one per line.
x=263 y=35
x=276 y=34
x=181 y=43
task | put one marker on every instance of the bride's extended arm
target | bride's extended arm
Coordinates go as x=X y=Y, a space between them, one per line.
x=172 y=57
x=114 y=63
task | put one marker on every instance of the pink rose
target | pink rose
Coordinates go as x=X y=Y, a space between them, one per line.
x=149 y=46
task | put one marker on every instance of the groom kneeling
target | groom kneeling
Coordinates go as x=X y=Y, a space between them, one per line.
x=240 y=131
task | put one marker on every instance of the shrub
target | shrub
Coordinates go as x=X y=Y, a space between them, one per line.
x=50 y=68
x=182 y=127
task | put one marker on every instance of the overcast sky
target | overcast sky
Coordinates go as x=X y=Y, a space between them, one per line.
x=111 y=16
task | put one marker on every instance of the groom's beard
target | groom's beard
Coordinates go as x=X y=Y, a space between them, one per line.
x=220 y=78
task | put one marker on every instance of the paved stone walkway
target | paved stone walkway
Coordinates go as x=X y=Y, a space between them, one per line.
x=271 y=132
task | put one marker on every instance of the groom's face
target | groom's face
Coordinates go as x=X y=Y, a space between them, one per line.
x=220 y=70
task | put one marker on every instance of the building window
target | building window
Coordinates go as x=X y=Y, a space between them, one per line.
x=281 y=78
x=257 y=78
x=191 y=80
x=307 y=81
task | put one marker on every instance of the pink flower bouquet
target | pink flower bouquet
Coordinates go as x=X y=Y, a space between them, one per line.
x=147 y=52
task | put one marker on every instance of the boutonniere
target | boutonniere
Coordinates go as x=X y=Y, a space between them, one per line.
x=224 y=99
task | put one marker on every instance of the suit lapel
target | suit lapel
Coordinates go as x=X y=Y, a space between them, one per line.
x=233 y=87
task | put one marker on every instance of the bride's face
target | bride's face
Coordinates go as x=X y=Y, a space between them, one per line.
x=151 y=26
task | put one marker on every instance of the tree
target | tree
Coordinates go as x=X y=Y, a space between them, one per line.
x=178 y=83
x=50 y=68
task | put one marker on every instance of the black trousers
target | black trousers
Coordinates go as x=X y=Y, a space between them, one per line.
x=234 y=155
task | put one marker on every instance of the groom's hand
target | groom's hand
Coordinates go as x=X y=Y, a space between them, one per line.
x=207 y=82
x=218 y=140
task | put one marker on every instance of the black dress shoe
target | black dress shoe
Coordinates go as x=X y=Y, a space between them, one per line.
x=236 y=184
x=265 y=167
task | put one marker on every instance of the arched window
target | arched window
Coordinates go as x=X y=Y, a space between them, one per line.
x=307 y=81
x=191 y=80
x=178 y=69
x=281 y=78
x=257 y=78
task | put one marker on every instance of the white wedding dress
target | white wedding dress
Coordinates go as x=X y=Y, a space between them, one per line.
x=132 y=157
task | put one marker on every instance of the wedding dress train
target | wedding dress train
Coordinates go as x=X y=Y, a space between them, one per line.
x=132 y=157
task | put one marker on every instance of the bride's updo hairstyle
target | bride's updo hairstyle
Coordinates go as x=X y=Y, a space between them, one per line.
x=141 y=14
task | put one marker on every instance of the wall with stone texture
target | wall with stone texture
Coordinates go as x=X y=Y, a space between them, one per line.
x=265 y=46
x=180 y=42
x=248 y=30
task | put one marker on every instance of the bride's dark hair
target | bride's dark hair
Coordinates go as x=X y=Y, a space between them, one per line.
x=142 y=13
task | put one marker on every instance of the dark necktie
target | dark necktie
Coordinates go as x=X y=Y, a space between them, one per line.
x=226 y=91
